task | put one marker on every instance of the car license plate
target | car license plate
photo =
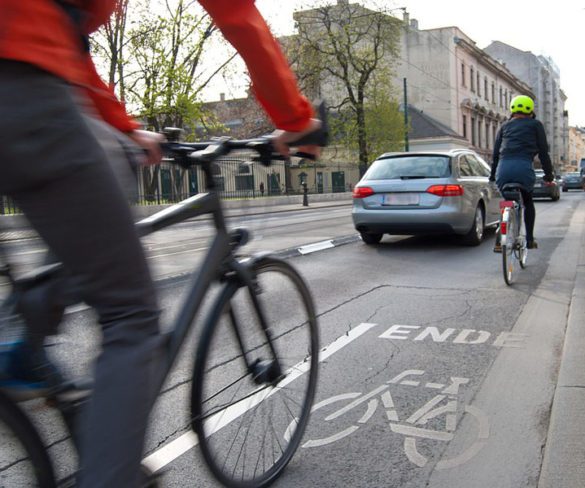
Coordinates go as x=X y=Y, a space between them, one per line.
x=538 y=185
x=401 y=199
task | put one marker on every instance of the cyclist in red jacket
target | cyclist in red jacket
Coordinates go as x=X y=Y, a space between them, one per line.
x=53 y=165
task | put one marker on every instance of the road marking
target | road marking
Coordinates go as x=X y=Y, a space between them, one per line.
x=171 y=451
x=318 y=246
x=455 y=336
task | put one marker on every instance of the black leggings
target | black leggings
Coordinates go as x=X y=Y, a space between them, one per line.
x=529 y=214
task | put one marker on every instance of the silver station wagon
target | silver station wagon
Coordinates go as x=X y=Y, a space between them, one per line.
x=444 y=192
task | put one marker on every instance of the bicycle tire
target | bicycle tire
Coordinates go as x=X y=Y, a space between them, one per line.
x=522 y=244
x=24 y=461
x=234 y=426
x=522 y=254
x=508 y=249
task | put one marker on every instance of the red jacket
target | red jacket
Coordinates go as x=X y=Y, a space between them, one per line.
x=39 y=32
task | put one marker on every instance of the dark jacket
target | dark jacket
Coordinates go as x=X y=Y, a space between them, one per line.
x=523 y=138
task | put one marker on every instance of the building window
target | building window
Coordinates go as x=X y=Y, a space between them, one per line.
x=472 y=79
x=487 y=135
x=478 y=85
x=465 y=126
x=473 y=129
x=493 y=92
x=485 y=88
x=462 y=74
x=506 y=103
x=501 y=103
x=479 y=132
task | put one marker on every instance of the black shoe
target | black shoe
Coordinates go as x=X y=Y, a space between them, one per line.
x=531 y=244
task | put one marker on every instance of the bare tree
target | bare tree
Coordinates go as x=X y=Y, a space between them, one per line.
x=153 y=52
x=345 y=53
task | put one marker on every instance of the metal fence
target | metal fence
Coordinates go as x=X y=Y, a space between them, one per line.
x=236 y=177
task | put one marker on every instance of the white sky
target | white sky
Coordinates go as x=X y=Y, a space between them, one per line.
x=549 y=28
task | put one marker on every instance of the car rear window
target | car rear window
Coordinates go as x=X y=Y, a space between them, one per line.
x=409 y=167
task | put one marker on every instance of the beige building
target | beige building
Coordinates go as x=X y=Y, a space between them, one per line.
x=576 y=150
x=450 y=79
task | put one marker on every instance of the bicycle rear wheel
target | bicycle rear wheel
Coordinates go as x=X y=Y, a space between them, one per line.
x=522 y=253
x=508 y=243
x=24 y=462
x=249 y=417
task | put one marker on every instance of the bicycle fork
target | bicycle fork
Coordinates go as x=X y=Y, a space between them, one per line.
x=263 y=371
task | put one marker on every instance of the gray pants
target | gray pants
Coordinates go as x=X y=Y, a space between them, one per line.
x=53 y=166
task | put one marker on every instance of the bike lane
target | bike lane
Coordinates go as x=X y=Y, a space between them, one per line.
x=462 y=399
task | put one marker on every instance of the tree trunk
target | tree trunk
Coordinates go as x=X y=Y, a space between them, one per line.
x=362 y=145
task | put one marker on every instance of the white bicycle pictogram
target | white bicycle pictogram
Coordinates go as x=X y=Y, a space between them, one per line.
x=445 y=403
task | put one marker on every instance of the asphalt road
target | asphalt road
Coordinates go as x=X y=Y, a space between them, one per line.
x=451 y=373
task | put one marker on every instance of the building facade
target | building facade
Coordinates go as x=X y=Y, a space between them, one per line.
x=576 y=151
x=449 y=78
x=543 y=77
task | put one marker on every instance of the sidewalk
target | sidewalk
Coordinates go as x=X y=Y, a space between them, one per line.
x=564 y=454
x=15 y=227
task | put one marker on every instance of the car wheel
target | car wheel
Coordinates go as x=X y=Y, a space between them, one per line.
x=475 y=234
x=371 y=239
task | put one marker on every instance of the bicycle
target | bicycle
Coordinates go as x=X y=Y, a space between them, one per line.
x=256 y=367
x=512 y=237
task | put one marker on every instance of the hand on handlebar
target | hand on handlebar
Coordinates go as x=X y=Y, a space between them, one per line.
x=150 y=142
x=283 y=140
x=548 y=180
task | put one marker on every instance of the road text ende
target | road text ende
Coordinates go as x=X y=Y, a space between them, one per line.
x=454 y=336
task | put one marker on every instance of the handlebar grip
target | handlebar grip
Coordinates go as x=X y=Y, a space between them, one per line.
x=320 y=137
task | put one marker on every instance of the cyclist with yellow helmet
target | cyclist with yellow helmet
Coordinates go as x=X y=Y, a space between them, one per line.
x=520 y=139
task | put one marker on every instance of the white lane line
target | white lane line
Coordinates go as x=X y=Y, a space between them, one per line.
x=318 y=246
x=171 y=451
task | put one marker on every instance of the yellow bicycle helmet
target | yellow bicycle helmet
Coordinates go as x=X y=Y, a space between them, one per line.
x=522 y=104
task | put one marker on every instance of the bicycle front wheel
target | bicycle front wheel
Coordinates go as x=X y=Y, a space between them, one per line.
x=24 y=461
x=252 y=390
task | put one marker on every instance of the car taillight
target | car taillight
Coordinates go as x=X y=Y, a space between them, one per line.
x=503 y=228
x=362 y=192
x=446 y=190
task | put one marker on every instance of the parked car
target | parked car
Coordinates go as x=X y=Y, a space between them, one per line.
x=445 y=192
x=543 y=190
x=572 y=181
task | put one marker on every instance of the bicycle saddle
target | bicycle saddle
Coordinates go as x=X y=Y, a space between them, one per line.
x=511 y=191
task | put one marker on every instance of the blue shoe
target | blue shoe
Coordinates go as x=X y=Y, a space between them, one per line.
x=26 y=373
